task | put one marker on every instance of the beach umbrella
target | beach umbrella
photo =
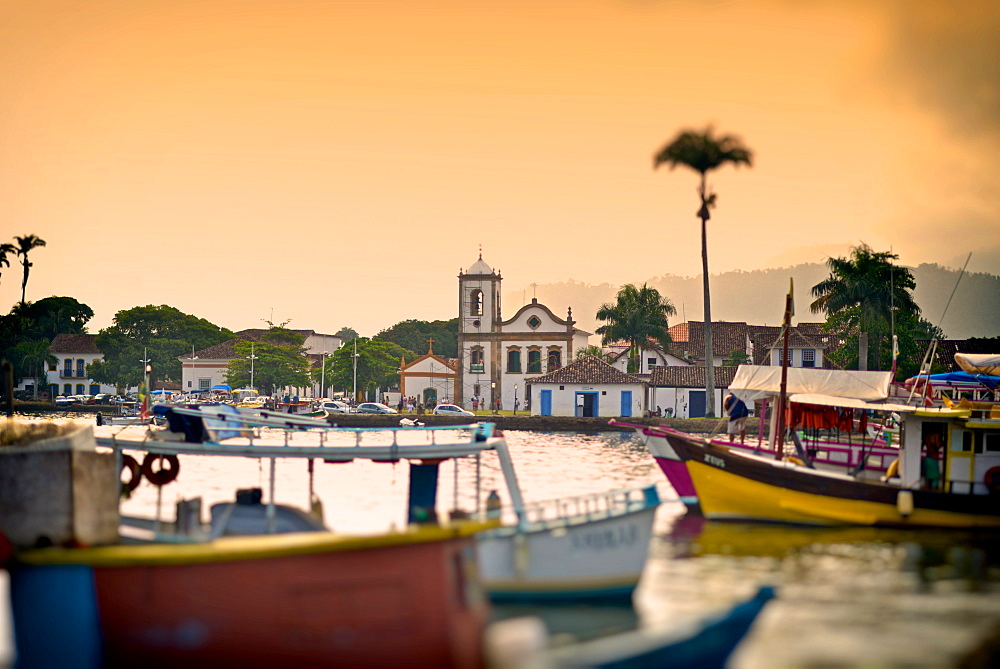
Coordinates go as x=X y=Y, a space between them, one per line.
x=163 y=392
x=223 y=387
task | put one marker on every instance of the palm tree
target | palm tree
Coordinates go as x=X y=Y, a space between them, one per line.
x=24 y=245
x=704 y=152
x=865 y=292
x=639 y=318
x=6 y=250
x=35 y=354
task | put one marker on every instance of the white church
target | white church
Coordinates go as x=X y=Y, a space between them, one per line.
x=495 y=356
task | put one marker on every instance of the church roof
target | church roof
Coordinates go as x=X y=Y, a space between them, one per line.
x=480 y=267
x=590 y=370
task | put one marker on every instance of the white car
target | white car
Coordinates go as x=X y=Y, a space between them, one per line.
x=451 y=410
x=374 y=407
x=333 y=406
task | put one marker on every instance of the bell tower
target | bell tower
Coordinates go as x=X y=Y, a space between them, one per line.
x=479 y=299
x=478 y=333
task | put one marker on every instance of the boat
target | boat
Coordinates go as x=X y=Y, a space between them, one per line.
x=697 y=644
x=838 y=430
x=171 y=593
x=947 y=475
x=586 y=548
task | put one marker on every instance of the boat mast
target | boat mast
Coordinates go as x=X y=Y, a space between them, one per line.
x=780 y=435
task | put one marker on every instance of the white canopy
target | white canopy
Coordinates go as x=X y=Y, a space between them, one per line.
x=850 y=403
x=979 y=363
x=753 y=382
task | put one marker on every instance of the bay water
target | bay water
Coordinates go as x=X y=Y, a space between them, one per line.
x=845 y=596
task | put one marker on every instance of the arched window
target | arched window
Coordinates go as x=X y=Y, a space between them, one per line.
x=67 y=389
x=534 y=361
x=554 y=360
x=476 y=303
x=79 y=389
x=514 y=361
x=476 y=359
x=79 y=368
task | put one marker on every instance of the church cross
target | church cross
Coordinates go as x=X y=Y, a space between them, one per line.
x=430 y=345
x=534 y=290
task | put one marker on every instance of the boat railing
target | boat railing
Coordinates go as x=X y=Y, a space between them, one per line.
x=587 y=508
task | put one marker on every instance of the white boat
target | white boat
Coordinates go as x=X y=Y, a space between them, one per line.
x=592 y=547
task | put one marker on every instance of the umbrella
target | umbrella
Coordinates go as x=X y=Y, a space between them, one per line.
x=245 y=390
x=163 y=392
x=223 y=386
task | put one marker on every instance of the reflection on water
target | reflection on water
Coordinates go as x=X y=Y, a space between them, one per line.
x=846 y=596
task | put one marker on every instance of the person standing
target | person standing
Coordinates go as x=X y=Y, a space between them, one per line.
x=737 y=411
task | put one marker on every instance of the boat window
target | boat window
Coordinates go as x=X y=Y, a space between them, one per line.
x=967 y=441
x=991 y=442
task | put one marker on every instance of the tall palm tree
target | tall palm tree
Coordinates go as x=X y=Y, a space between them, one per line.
x=24 y=245
x=639 y=318
x=704 y=152
x=866 y=291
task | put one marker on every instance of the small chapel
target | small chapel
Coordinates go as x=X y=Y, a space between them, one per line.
x=496 y=356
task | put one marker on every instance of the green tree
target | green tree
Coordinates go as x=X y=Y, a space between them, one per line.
x=6 y=250
x=29 y=322
x=346 y=334
x=33 y=357
x=377 y=365
x=704 y=152
x=24 y=246
x=163 y=332
x=736 y=358
x=867 y=296
x=280 y=361
x=639 y=318
x=591 y=350
x=413 y=335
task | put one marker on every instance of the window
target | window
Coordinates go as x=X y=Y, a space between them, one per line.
x=808 y=357
x=534 y=322
x=475 y=389
x=52 y=366
x=534 y=361
x=80 y=368
x=79 y=389
x=68 y=367
x=514 y=361
x=476 y=303
x=67 y=389
x=554 y=361
x=476 y=359
x=204 y=384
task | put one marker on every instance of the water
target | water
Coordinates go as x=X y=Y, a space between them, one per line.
x=846 y=596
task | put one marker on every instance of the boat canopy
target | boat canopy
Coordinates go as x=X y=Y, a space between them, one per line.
x=979 y=363
x=753 y=382
x=849 y=403
x=957 y=380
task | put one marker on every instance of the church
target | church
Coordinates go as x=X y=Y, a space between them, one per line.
x=496 y=356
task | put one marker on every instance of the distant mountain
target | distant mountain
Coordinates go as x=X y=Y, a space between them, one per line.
x=757 y=297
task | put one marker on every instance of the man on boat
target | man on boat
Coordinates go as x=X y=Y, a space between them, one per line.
x=737 y=411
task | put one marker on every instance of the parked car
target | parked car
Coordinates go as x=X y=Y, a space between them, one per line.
x=451 y=410
x=374 y=407
x=333 y=406
x=63 y=400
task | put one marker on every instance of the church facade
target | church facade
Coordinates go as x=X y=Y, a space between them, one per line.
x=497 y=356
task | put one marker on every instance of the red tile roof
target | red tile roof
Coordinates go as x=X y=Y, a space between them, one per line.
x=586 y=370
x=689 y=376
x=74 y=343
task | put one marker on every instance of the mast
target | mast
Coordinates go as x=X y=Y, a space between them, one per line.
x=780 y=434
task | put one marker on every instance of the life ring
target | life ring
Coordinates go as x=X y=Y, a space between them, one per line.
x=794 y=460
x=164 y=475
x=135 y=473
x=992 y=480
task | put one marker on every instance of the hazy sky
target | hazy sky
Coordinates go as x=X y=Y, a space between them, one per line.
x=337 y=163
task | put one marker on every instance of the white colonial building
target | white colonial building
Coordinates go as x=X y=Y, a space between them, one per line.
x=496 y=356
x=430 y=378
x=588 y=387
x=69 y=376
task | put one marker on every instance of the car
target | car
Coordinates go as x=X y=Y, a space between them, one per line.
x=374 y=407
x=63 y=400
x=333 y=406
x=451 y=410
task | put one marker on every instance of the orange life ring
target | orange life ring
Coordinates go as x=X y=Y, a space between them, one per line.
x=992 y=480
x=164 y=475
x=135 y=474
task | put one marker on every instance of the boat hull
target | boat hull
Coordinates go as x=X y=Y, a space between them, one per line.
x=279 y=600
x=581 y=559
x=736 y=487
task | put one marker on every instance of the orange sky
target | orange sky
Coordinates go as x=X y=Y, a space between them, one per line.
x=336 y=163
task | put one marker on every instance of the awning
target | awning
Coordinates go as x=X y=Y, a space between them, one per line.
x=245 y=390
x=960 y=380
x=849 y=403
x=224 y=387
x=753 y=382
x=979 y=363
